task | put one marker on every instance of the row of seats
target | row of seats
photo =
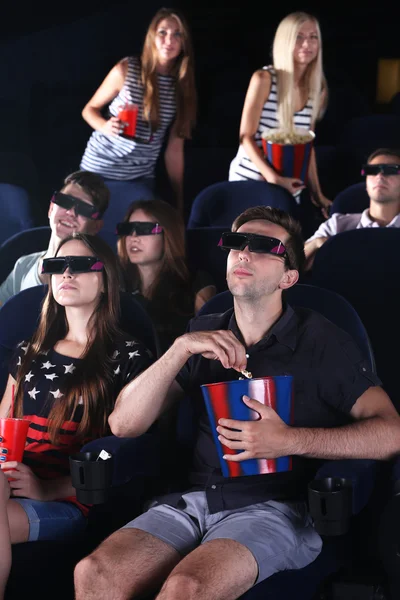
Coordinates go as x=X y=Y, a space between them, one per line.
x=220 y=203
x=339 y=166
x=216 y=206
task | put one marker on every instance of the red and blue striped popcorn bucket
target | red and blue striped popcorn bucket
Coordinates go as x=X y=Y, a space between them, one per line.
x=225 y=401
x=289 y=160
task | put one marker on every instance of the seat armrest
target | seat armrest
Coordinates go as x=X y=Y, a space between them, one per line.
x=396 y=475
x=362 y=474
x=133 y=457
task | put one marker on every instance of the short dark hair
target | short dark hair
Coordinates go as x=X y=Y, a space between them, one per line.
x=93 y=185
x=294 y=244
x=385 y=151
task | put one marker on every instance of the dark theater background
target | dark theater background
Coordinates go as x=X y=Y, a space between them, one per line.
x=54 y=55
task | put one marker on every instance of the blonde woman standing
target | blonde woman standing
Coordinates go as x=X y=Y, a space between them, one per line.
x=291 y=92
x=161 y=83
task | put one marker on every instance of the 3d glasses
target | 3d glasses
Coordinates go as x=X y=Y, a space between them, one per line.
x=81 y=208
x=139 y=227
x=75 y=264
x=260 y=244
x=385 y=169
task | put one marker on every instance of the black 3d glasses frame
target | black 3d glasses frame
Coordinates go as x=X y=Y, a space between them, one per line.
x=81 y=208
x=384 y=169
x=139 y=227
x=260 y=244
x=75 y=264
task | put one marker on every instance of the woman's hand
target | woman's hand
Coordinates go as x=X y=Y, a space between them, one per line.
x=23 y=482
x=112 y=127
x=291 y=184
x=4 y=488
x=323 y=202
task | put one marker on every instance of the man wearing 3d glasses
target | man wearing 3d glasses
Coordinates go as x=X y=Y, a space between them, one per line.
x=77 y=207
x=216 y=536
x=382 y=173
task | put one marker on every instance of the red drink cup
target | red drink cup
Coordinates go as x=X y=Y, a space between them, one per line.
x=128 y=117
x=13 y=432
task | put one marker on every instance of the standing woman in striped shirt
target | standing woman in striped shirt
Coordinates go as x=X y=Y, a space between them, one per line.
x=291 y=92
x=161 y=83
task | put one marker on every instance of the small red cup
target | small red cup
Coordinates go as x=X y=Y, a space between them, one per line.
x=128 y=117
x=13 y=432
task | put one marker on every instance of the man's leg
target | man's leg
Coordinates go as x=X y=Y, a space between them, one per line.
x=243 y=547
x=218 y=570
x=129 y=563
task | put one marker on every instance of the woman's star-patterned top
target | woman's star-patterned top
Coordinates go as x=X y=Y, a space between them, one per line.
x=44 y=383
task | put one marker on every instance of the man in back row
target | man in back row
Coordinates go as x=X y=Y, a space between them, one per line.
x=382 y=173
x=219 y=536
x=78 y=207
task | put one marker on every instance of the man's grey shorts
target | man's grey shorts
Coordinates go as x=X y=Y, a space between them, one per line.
x=278 y=534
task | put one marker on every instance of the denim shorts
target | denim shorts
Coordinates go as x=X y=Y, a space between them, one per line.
x=52 y=520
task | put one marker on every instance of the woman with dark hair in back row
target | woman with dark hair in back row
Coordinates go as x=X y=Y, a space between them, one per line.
x=66 y=380
x=151 y=249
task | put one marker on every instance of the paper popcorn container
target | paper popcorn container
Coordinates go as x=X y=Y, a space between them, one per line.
x=224 y=400
x=289 y=160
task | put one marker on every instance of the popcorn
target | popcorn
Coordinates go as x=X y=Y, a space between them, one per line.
x=276 y=136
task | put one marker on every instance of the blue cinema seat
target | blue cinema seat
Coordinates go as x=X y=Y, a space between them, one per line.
x=363 y=265
x=219 y=204
x=389 y=534
x=34 y=239
x=16 y=210
x=122 y=194
x=353 y=199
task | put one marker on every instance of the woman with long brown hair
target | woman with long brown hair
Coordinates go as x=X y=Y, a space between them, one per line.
x=151 y=249
x=66 y=380
x=161 y=83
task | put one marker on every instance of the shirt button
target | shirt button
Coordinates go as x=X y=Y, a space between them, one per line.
x=213 y=487
x=364 y=369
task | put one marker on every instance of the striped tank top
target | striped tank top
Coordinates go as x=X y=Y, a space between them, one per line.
x=117 y=157
x=242 y=167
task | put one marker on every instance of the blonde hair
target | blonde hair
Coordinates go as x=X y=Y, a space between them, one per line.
x=282 y=52
x=183 y=72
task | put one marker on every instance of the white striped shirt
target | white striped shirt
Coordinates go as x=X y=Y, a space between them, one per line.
x=242 y=167
x=117 y=157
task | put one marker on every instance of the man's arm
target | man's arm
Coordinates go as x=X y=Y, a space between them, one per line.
x=145 y=398
x=375 y=434
x=310 y=250
x=326 y=230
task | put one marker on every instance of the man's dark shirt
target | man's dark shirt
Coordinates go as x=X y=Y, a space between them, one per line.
x=329 y=375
